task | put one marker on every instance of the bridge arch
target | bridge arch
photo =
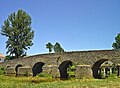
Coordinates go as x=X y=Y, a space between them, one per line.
x=37 y=68
x=97 y=66
x=63 y=69
x=16 y=69
x=7 y=66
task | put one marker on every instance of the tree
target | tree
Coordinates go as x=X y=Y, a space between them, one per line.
x=17 y=28
x=58 y=48
x=116 y=44
x=49 y=46
x=8 y=57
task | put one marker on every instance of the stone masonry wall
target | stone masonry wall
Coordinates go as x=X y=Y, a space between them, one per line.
x=78 y=58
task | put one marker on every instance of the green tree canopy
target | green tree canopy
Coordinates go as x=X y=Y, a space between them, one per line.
x=58 y=48
x=17 y=28
x=116 y=44
x=49 y=46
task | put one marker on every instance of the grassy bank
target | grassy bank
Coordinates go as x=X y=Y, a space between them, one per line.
x=40 y=82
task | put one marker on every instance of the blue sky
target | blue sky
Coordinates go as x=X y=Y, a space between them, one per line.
x=75 y=24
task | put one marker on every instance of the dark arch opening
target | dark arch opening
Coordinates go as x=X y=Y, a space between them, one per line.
x=8 y=66
x=16 y=69
x=63 y=69
x=37 y=68
x=96 y=67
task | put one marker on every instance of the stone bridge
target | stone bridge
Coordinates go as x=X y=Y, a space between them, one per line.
x=87 y=63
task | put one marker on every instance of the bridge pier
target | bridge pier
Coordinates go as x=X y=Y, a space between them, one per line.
x=24 y=71
x=118 y=68
x=83 y=71
x=10 y=71
x=55 y=71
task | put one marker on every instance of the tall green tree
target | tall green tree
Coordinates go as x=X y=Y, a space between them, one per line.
x=17 y=29
x=58 y=48
x=116 y=44
x=49 y=46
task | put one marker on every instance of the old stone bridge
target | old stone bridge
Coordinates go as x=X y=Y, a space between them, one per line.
x=87 y=63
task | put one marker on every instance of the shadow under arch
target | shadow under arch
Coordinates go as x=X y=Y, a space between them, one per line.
x=16 y=69
x=37 y=68
x=63 y=69
x=96 y=67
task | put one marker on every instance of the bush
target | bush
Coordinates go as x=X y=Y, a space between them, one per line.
x=2 y=71
x=71 y=71
x=44 y=75
x=115 y=71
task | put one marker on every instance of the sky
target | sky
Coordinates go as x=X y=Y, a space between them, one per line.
x=77 y=25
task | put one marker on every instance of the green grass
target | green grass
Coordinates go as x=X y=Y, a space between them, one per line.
x=40 y=82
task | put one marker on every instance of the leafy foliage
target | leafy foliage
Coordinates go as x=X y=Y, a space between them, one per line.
x=17 y=28
x=49 y=46
x=116 y=44
x=44 y=75
x=2 y=71
x=58 y=48
x=71 y=70
x=8 y=57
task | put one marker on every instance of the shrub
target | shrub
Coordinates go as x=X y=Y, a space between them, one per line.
x=71 y=71
x=115 y=71
x=44 y=75
x=2 y=71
